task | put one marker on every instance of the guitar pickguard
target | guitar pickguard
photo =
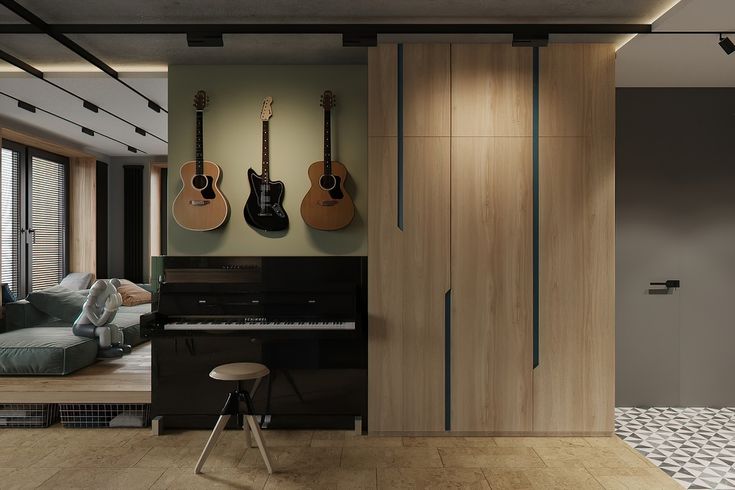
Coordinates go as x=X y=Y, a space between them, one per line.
x=208 y=191
x=336 y=192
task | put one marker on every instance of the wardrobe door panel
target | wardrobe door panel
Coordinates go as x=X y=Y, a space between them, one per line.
x=574 y=382
x=492 y=284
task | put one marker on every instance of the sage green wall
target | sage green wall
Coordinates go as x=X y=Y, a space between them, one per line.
x=232 y=139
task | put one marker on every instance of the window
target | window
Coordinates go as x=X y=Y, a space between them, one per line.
x=34 y=218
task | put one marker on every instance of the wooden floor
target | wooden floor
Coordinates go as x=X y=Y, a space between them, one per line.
x=124 y=380
x=133 y=458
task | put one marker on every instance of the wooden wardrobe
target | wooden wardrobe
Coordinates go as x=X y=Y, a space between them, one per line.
x=491 y=231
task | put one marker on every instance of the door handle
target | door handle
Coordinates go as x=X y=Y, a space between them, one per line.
x=32 y=231
x=668 y=284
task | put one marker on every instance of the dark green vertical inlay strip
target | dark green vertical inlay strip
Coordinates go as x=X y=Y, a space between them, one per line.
x=399 y=99
x=448 y=360
x=535 y=206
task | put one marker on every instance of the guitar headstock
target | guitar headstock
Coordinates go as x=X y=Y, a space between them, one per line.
x=266 y=112
x=328 y=100
x=201 y=99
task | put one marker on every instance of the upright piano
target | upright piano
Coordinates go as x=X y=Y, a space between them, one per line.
x=303 y=317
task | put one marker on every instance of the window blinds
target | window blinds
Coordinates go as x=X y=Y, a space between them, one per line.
x=9 y=228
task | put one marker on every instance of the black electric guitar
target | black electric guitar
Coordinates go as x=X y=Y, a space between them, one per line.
x=264 y=207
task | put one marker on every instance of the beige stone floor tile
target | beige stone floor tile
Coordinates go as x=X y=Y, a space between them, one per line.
x=294 y=458
x=541 y=442
x=490 y=457
x=373 y=441
x=331 y=435
x=107 y=478
x=441 y=441
x=91 y=457
x=222 y=456
x=244 y=478
x=612 y=441
x=541 y=479
x=291 y=438
x=431 y=478
x=23 y=456
x=327 y=479
x=634 y=478
x=24 y=437
x=24 y=478
x=171 y=438
x=390 y=457
x=591 y=457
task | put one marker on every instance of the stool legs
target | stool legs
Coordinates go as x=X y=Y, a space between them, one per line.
x=214 y=436
x=232 y=407
x=245 y=426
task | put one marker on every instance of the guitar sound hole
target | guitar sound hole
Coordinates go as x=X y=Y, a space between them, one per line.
x=199 y=182
x=327 y=182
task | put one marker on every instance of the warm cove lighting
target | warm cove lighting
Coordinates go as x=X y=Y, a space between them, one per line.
x=651 y=21
x=87 y=68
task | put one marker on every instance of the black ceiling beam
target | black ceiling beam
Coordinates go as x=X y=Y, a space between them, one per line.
x=382 y=28
x=4 y=55
x=60 y=37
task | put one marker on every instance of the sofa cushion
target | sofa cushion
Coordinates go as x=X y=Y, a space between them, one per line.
x=58 y=302
x=132 y=294
x=77 y=280
x=44 y=351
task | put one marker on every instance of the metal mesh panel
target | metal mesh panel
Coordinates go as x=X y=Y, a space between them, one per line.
x=91 y=415
x=28 y=415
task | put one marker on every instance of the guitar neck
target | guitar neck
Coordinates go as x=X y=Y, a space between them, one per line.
x=265 y=169
x=200 y=144
x=327 y=143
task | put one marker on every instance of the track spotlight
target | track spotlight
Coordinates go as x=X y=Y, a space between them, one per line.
x=87 y=131
x=204 y=39
x=727 y=45
x=530 y=40
x=90 y=106
x=132 y=150
x=140 y=131
x=153 y=106
x=26 y=106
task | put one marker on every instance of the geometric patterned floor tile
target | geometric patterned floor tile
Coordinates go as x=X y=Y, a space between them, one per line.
x=695 y=446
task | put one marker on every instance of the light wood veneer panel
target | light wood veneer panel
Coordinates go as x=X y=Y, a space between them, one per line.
x=492 y=281
x=574 y=382
x=408 y=277
x=492 y=90
x=426 y=90
x=82 y=211
x=382 y=90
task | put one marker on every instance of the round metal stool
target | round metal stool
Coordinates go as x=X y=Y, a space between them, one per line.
x=238 y=372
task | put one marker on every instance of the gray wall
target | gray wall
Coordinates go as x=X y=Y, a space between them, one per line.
x=676 y=220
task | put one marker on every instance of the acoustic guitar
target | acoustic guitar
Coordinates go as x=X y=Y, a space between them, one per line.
x=264 y=207
x=327 y=206
x=200 y=205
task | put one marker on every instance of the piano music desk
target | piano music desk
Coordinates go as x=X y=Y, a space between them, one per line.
x=124 y=380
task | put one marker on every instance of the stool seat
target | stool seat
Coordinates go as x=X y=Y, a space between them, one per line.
x=239 y=371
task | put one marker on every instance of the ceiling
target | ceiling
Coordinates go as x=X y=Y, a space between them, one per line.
x=681 y=60
x=143 y=59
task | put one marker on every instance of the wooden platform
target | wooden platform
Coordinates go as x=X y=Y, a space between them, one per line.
x=125 y=380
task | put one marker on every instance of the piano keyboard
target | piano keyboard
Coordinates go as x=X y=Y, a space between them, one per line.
x=257 y=325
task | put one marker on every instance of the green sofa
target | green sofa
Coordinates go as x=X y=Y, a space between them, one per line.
x=38 y=344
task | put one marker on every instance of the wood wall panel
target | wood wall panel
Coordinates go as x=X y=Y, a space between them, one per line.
x=492 y=281
x=382 y=90
x=82 y=221
x=426 y=90
x=574 y=382
x=492 y=90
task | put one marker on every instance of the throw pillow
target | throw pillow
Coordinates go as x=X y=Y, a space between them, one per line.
x=58 y=302
x=132 y=294
x=77 y=280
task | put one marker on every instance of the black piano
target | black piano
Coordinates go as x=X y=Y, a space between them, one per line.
x=303 y=317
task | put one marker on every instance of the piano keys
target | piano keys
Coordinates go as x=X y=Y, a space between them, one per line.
x=303 y=317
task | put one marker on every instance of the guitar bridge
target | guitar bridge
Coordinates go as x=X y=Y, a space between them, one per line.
x=328 y=202
x=198 y=202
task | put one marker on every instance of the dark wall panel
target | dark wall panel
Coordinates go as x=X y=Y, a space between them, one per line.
x=675 y=220
x=102 y=226
x=133 y=222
